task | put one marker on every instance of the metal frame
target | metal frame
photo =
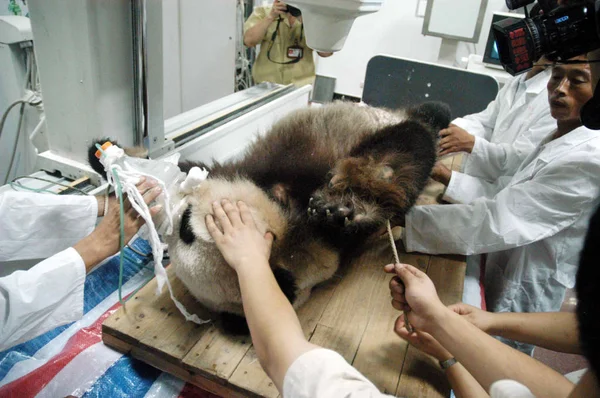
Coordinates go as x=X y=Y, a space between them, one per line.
x=140 y=64
x=138 y=22
x=478 y=26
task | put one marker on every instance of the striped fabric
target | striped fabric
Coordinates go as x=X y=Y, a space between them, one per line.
x=71 y=360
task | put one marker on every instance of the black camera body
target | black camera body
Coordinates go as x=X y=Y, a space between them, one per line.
x=559 y=34
x=293 y=11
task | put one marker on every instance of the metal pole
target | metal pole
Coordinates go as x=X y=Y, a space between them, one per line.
x=140 y=117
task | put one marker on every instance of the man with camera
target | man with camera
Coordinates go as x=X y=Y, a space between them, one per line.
x=284 y=57
x=528 y=229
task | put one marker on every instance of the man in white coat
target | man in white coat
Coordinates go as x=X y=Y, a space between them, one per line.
x=497 y=140
x=34 y=226
x=532 y=225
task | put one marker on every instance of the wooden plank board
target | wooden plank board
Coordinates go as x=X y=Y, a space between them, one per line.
x=217 y=353
x=381 y=353
x=346 y=317
x=251 y=376
x=421 y=375
x=350 y=314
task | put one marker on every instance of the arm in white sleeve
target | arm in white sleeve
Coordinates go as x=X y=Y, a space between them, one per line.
x=492 y=160
x=464 y=189
x=520 y=214
x=38 y=300
x=39 y=225
x=322 y=373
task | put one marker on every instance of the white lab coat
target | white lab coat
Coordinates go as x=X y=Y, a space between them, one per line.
x=50 y=294
x=510 y=128
x=532 y=226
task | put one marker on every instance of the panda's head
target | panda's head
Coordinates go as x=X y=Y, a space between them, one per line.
x=198 y=262
x=268 y=214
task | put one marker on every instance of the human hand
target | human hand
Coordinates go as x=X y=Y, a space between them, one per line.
x=238 y=239
x=455 y=139
x=324 y=54
x=105 y=240
x=413 y=291
x=109 y=229
x=441 y=173
x=278 y=9
x=482 y=319
x=421 y=340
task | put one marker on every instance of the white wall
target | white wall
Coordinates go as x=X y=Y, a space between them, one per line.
x=199 y=52
x=394 y=30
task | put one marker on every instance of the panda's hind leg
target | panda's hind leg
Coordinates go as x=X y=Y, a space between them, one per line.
x=380 y=180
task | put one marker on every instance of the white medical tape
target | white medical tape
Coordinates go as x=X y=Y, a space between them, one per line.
x=129 y=179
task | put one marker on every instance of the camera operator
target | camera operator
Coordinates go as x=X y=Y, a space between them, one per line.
x=284 y=57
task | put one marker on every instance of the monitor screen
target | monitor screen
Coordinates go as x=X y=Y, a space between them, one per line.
x=490 y=55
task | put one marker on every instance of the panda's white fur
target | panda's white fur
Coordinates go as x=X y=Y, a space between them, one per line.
x=200 y=265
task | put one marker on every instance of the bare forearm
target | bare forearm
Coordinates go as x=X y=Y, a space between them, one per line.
x=463 y=383
x=275 y=329
x=489 y=360
x=555 y=331
x=255 y=34
x=93 y=249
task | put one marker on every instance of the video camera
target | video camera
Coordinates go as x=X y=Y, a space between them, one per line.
x=560 y=33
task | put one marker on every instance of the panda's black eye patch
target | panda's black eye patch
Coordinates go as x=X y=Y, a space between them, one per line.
x=185 y=229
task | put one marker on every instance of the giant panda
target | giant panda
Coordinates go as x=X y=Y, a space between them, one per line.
x=322 y=180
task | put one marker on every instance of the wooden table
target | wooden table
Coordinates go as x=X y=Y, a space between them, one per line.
x=350 y=314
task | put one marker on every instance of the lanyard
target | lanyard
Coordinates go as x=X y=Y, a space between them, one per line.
x=293 y=61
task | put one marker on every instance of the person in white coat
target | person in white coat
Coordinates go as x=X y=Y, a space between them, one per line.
x=532 y=225
x=497 y=140
x=34 y=226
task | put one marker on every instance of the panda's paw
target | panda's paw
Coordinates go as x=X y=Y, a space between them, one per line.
x=326 y=210
x=347 y=214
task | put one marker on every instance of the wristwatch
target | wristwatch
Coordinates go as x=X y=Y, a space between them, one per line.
x=447 y=363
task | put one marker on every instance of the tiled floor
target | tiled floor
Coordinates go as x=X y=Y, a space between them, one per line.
x=563 y=363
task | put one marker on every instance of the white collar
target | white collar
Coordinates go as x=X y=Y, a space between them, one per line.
x=552 y=148
x=538 y=83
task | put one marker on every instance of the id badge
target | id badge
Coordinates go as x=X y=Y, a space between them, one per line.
x=295 y=52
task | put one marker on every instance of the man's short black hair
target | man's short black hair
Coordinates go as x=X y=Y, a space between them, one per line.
x=588 y=288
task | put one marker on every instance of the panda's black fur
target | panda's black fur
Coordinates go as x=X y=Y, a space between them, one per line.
x=323 y=180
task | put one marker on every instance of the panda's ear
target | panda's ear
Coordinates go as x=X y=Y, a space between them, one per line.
x=93 y=160
x=434 y=114
x=186 y=166
x=135 y=152
x=281 y=193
